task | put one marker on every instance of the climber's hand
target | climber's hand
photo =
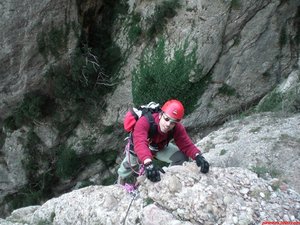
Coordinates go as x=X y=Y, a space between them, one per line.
x=201 y=162
x=152 y=172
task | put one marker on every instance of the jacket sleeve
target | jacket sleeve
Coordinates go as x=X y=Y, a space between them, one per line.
x=140 y=139
x=184 y=142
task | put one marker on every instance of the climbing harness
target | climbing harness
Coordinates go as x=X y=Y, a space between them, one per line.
x=129 y=150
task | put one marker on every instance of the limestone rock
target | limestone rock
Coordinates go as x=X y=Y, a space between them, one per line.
x=23 y=26
x=218 y=197
x=238 y=45
x=12 y=171
x=266 y=143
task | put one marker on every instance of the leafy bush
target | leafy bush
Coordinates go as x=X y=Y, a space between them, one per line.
x=33 y=107
x=135 y=29
x=158 y=78
x=25 y=197
x=271 y=103
x=277 y=101
x=68 y=163
x=110 y=180
x=263 y=171
x=52 y=41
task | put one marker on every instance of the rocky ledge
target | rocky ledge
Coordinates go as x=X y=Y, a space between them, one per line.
x=184 y=196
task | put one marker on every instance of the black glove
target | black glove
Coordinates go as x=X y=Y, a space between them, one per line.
x=152 y=172
x=201 y=162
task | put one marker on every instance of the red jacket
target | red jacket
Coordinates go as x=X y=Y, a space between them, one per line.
x=141 y=142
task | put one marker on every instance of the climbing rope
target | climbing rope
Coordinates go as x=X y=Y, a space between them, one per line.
x=134 y=194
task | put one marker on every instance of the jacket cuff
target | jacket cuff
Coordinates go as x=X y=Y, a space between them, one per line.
x=147 y=161
x=198 y=153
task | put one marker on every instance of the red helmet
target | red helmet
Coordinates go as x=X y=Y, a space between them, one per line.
x=174 y=109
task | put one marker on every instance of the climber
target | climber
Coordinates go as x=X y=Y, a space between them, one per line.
x=168 y=127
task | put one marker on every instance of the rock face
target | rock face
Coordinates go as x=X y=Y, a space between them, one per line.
x=266 y=143
x=241 y=45
x=13 y=175
x=183 y=196
x=34 y=34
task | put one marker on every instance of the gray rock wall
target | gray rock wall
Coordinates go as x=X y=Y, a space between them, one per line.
x=268 y=144
x=247 y=47
x=24 y=55
x=240 y=46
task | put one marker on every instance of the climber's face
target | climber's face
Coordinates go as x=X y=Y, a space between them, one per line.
x=166 y=123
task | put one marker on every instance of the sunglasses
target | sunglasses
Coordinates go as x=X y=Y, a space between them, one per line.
x=167 y=119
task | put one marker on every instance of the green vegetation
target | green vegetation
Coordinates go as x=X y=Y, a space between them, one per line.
x=76 y=86
x=148 y=201
x=45 y=169
x=34 y=106
x=68 y=163
x=271 y=103
x=25 y=197
x=39 y=183
x=262 y=171
x=110 y=180
x=155 y=23
x=9 y=123
x=88 y=143
x=283 y=37
x=227 y=90
x=162 y=12
x=33 y=156
x=236 y=4
x=2 y=140
x=52 y=42
x=108 y=129
x=159 y=78
x=281 y=102
x=91 y=71
x=237 y=39
x=223 y=152
x=297 y=18
x=109 y=157
x=83 y=80
x=135 y=29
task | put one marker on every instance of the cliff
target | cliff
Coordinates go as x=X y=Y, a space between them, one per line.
x=71 y=69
